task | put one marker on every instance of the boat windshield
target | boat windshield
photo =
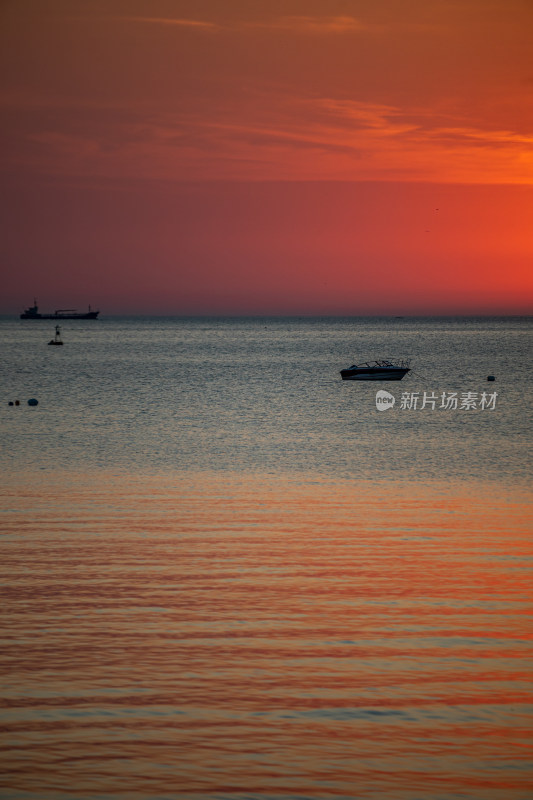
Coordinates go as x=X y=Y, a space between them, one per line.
x=382 y=362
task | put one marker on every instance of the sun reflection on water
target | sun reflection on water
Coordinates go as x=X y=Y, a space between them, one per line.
x=211 y=635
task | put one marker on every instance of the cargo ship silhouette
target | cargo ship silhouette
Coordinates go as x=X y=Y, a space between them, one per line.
x=63 y=313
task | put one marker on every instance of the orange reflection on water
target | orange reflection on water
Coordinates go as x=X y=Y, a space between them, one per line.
x=212 y=634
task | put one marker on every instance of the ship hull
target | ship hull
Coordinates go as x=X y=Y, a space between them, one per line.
x=88 y=315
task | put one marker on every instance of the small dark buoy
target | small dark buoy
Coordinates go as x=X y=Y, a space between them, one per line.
x=57 y=339
x=10 y=403
x=17 y=402
x=491 y=378
x=33 y=402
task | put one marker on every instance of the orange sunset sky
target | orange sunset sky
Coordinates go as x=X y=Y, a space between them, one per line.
x=267 y=156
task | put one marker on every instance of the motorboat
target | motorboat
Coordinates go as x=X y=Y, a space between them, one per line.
x=381 y=370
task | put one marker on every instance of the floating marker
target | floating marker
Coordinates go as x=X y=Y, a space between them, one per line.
x=10 y=403
x=57 y=339
x=491 y=378
x=33 y=402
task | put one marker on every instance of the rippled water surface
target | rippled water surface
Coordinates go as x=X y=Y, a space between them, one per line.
x=225 y=574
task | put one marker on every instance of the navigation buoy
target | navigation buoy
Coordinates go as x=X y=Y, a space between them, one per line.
x=33 y=402
x=491 y=378
x=10 y=403
x=57 y=338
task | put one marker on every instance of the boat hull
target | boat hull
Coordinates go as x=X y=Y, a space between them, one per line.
x=370 y=374
x=88 y=315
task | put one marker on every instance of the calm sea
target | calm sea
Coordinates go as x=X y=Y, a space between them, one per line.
x=226 y=575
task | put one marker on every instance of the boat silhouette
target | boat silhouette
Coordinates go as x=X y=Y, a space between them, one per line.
x=63 y=313
x=381 y=370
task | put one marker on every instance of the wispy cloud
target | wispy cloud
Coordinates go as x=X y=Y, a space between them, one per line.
x=279 y=138
x=485 y=137
x=315 y=25
x=351 y=114
x=291 y=24
x=200 y=25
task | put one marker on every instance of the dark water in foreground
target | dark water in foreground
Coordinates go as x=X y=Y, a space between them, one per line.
x=225 y=574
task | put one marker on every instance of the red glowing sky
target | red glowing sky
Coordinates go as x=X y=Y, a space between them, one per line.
x=222 y=156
